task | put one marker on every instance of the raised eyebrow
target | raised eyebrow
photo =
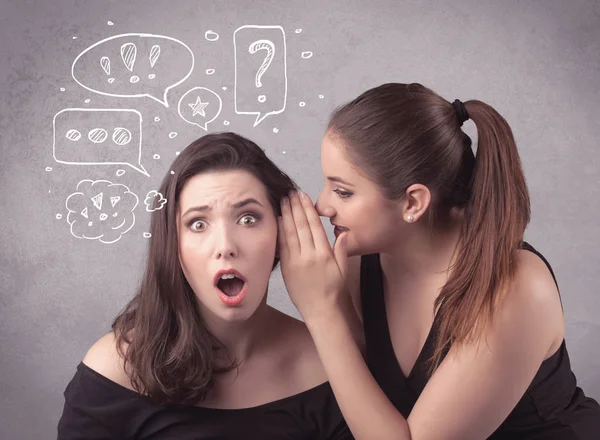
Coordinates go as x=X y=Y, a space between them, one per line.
x=245 y=202
x=236 y=205
x=338 y=180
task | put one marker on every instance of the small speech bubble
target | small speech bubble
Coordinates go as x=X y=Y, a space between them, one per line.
x=87 y=136
x=200 y=106
x=101 y=210
x=134 y=65
x=260 y=71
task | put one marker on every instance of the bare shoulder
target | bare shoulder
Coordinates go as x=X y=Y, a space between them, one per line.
x=533 y=301
x=104 y=358
x=298 y=352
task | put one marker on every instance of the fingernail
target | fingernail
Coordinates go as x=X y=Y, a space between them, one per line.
x=284 y=200
x=302 y=195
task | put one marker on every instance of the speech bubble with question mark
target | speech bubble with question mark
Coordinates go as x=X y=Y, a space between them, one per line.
x=134 y=65
x=260 y=71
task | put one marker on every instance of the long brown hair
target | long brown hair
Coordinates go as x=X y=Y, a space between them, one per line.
x=169 y=354
x=402 y=134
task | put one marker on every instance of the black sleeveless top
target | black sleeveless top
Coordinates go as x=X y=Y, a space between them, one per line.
x=96 y=408
x=552 y=408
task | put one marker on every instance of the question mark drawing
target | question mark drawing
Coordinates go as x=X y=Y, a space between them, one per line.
x=270 y=48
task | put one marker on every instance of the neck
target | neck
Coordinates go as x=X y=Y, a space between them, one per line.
x=241 y=339
x=423 y=252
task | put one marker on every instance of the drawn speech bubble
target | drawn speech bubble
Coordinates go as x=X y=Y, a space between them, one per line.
x=90 y=136
x=134 y=65
x=200 y=106
x=260 y=71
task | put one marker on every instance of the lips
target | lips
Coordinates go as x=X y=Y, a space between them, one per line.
x=337 y=230
x=231 y=286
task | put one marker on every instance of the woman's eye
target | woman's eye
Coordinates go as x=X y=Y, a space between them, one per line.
x=248 y=220
x=198 y=225
x=343 y=194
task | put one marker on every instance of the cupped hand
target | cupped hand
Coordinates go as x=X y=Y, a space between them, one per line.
x=313 y=272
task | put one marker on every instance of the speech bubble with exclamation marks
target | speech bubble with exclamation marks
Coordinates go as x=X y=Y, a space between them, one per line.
x=260 y=71
x=134 y=65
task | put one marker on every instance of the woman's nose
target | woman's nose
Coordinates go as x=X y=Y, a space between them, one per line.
x=323 y=206
x=226 y=247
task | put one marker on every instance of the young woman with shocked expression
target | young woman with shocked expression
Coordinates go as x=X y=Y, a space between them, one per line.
x=198 y=353
x=463 y=324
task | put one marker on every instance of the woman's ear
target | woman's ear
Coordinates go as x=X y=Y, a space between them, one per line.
x=416 y=202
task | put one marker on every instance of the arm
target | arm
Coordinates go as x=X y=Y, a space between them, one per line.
x=475 y=387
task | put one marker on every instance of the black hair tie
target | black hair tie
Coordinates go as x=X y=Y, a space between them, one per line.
x=461 y=111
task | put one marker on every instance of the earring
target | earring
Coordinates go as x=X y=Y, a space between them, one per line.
x=409 y=218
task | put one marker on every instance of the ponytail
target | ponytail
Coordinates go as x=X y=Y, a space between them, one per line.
x=495 y=219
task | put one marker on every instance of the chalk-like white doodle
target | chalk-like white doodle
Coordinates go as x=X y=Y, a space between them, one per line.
x=97 y=135
x=321 y=96
x=147 y=235
x=105 y=63
x=200 y=106
x=211 y=36
x=260 y=71
x=154 y=201
x=224 y=88
x=92 y=219
x=87 y=101
x=210 y=71
x=128 y=54
x=119 y=173
x=225 y=122
x=124 y=148
x=62 y=89
x=298 y=31
x=110 y=23
x=121 y=136
x=73 y=135
x=173 y=135
x=275 y=130
x=302 y=104
x=307 y=55
x=154 y=54
x=58 y=216
x=156 y=119
x=269 y=47
x=156 y=157
x=126 y=77
x=48 y=169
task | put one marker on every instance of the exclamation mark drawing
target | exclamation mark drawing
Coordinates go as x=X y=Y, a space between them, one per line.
x=128 y=54
x=154 y=54
x=105 y=63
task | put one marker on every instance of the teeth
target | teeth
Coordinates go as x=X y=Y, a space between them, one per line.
x=227 y=276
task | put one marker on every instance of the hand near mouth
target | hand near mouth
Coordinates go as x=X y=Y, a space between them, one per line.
x=313 y=272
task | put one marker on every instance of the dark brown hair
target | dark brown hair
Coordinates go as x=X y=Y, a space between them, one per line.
x=402 y=134
x=169 y=354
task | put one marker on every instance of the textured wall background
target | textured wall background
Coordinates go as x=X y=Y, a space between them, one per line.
x=537 y=62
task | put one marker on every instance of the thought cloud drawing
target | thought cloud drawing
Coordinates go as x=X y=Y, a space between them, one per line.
x=87 y=136
x=134 y=65
x=154 y=201
x=101 y=210
x=260 y=71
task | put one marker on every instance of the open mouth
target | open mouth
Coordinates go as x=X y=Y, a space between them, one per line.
x=230 y=285
x=337 y=230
